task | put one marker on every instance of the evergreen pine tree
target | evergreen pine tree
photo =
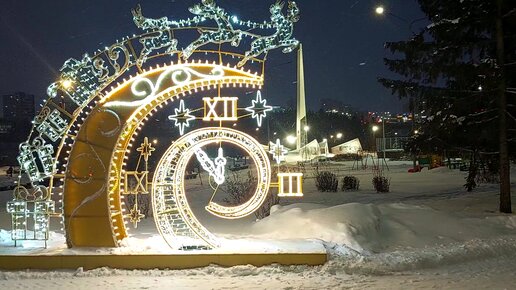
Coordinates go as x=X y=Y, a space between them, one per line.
x=456 y=73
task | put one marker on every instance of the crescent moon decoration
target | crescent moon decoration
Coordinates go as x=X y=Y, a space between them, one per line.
x=76 y=152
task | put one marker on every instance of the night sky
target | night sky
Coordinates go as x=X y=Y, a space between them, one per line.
x=342 y=42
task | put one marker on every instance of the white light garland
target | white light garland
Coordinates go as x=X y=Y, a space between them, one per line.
x=259 y=108
x=181 y=117
x=278 y=151
x=170 y=207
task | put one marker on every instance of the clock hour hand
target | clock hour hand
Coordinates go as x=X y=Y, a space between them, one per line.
x=220 y=163
x=216 y=171
x=205 y=161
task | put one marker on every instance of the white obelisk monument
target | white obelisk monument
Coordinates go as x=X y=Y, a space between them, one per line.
x=301 y=107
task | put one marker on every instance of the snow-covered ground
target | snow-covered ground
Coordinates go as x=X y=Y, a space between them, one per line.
x=428 y=232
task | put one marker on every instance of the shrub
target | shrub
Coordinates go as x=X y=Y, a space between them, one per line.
x=350 y=183
x=488 y=171
x=326 y=181
x=381 y=183
x=240 y=191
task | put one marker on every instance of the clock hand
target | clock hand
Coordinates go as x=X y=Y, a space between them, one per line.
x=220 y=163
x=205 y=161
x=217 y=172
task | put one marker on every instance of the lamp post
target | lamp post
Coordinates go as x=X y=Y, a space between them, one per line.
x=306 y=128
x=374 y=129
x=383 y=138
x=380 y=11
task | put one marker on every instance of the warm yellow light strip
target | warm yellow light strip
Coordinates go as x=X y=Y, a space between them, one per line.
x=291 y=192
x=210 y=109
x=232 y=77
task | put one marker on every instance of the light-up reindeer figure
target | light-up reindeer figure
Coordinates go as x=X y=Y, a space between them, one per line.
x=163 y=38
x=224 y=33
x=282 y=37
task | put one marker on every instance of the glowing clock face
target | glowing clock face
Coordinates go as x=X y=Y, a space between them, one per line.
x=170 y=207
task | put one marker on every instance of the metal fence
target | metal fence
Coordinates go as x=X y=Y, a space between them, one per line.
x=391 y=144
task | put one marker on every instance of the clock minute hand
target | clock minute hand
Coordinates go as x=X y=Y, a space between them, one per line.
x=205 y=162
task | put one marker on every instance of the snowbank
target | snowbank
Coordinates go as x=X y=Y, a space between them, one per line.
x=379 y=239
x=370 y=228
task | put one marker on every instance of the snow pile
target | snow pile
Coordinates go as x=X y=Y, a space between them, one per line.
x=426 y=221
x=368 y=238
x=56 y=243
x=360 y=238
x=370 y=228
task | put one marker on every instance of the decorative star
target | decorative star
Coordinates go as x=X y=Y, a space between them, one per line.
x=135 y=216
x=278 y=151
x=259 y=108
x=145 y=149
x=181 y=117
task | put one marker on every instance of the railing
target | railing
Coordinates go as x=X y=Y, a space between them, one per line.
x=391 y=144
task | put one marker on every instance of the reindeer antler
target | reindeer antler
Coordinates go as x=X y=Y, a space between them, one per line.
x=293 y=11
x=208 y=2
x=137 y=11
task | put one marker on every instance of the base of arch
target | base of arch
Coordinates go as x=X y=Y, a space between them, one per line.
x=148 y=262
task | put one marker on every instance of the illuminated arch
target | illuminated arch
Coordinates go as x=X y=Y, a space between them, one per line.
x=92 y=198
x=77 y=146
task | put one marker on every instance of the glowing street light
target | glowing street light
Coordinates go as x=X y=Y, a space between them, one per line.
x=306 y=128
x=155 y=141
x=339 y=135
x=379 y=10
x=375 y=128
x=291 y=139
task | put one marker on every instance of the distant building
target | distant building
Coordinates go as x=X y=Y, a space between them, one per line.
x=329 y=105
x=6 y=128
x=18 y=106
x=349 y=147
x=18 y=112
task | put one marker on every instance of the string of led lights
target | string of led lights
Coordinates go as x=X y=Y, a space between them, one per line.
x=79 y=144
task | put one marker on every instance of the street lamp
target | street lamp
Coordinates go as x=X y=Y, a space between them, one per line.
x=306 y=128
x=379 y=10
x=374 y=129
x=291 y=139
x=339 y=135
x=383 y=138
